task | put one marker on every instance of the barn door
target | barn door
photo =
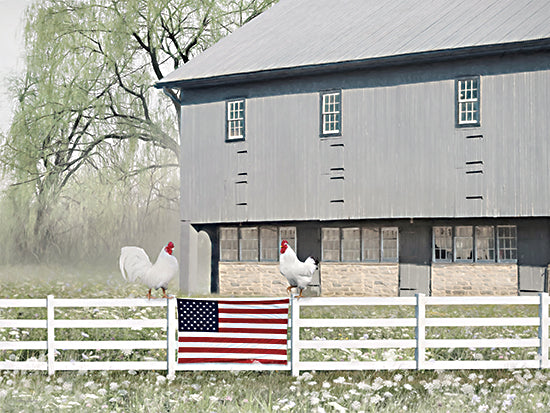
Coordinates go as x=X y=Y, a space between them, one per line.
x=531 y=279
x=414 y=279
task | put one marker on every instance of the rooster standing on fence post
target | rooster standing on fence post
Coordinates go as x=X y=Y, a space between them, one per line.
x=135 y=266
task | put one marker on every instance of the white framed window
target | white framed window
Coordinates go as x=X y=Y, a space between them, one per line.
x=331 y=113
x=468 y=101
x=235 y=120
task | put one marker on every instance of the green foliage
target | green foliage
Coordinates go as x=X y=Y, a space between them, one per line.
x=93 y=142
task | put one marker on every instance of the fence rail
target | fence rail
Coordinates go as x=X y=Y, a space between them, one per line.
x=420 y=322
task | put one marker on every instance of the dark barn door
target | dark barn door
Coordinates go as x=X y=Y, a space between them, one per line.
x=414 y=260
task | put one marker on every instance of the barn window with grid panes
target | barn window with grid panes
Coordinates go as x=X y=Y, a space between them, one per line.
x=468 y=98
x=475 y=243
x=507 y=243
x=331 y=113
x=485 y=243
x=330 y=241
x=248 y=244
x=464 y=248
x=370 y=244
x=252 y=244
x=235 y=119
x=360 y=244
x=389 y=240
x=443 y=243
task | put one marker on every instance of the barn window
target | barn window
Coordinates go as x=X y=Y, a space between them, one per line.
x=229 y=244
x=371 y=244
x=269 y=244
x=351 y=244
x=330 y=240
x=443 y=243
x=331 y=113
x=485 y=243
x=389 y=251
x=507 y=243
x=356 y=244
x=252 y=244
x=464 y=239
x=467 y=102
x=248 y=244
x=235 y=120
x=475 y=243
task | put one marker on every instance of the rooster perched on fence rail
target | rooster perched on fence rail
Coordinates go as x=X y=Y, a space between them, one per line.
x=135 y=266
x=299 y=274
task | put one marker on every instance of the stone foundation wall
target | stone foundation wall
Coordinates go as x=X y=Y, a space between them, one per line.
x=251 y=279
x=474 y=279
x=373 y=280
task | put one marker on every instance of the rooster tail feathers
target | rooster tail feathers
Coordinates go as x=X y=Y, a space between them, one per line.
x=121 y=264
x=312 y=264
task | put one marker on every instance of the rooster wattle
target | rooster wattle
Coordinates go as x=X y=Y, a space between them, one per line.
x=135 y=266
x=299 y=274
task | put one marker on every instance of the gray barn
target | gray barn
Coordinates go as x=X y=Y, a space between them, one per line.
x=405 y=144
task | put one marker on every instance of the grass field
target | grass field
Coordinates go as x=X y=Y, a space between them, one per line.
x=369 y=391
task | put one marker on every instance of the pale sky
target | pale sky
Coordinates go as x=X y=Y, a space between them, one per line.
x=11 y=41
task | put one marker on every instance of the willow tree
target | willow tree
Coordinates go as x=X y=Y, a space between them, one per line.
x=87 y=102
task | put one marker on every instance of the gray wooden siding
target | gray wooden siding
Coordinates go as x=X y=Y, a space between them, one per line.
x=399 y=155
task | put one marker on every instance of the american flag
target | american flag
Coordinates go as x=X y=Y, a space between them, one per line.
x=233 y=331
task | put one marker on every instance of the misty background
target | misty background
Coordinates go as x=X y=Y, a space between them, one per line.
x=89 y=148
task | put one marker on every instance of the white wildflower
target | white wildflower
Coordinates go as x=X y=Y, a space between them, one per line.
x=314 y=400
x=339 y=380
x=467 y=389
x=407 y=386
x=113 y=386
x=305 y=376
x=376 y=399
x=326 y=385
x=90 y=396
x=397 y=378
x=337 y=407
x=102 y=392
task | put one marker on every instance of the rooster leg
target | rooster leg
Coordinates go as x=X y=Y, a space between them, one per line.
x=300 y=295
x=289 y=289
x=164 y=293
x=149 y=296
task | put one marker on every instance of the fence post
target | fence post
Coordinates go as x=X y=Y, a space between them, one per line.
x=51 y=333
x=420 y=313
x=543 y=331
x=294 y=335
x=171 y=337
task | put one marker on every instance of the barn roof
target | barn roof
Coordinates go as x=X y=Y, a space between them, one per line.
x=307 y=35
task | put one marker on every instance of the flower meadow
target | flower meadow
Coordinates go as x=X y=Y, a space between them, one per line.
x=519 y=390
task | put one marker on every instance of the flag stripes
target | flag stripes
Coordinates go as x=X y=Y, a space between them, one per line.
x=233 y=331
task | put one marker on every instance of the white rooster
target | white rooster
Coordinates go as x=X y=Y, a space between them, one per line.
x=298 y=273
x=135 y=266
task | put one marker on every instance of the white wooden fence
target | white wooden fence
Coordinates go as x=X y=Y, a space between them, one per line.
x=420 y=322
x=169 y=324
